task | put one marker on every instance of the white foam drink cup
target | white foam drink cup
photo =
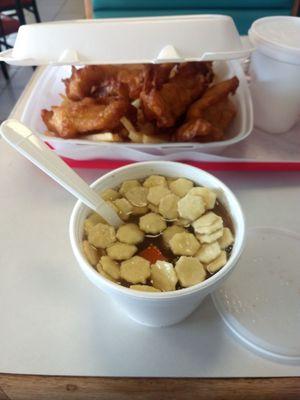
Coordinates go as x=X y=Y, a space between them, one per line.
x=275 y=73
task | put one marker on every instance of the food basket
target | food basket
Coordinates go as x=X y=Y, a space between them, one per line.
x=133 y=40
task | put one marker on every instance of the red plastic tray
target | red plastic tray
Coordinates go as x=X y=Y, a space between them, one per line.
x=212 y=166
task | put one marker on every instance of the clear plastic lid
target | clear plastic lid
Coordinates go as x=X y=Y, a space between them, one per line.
x=127 y=40
x=260 y=302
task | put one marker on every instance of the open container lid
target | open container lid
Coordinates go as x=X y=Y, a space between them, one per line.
x=260 y=301
x=127 y=40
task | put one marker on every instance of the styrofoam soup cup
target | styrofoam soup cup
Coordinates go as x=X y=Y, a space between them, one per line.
x=167 y=308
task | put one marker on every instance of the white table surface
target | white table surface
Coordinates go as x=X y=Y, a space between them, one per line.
x=54 y=321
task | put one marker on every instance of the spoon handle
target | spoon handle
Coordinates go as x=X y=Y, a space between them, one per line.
x=32 y=147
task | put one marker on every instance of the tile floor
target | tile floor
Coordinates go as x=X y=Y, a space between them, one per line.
x=50 y=10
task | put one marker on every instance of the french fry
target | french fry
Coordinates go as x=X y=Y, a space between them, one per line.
x=136 y=103
x=104 y=137
x=134 y=136
x=153 y=139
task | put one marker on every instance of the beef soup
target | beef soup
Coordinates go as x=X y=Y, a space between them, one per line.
x=175 y=235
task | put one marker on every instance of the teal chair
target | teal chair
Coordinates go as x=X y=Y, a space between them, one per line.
x=244 y=12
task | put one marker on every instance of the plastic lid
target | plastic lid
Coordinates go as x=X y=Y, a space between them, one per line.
x=277 y=37
x=260 y=302
x=127 y=40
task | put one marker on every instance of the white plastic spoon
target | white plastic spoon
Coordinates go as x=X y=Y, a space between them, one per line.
x=29 y=145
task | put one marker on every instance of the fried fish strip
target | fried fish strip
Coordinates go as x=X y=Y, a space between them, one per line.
x=158 y=74
x=165 y=105
x=87 y=81
x=133 y=76
x=210 y=125
x=73 y=118
x=220 y=114
x=198 y=130
x=212 y=96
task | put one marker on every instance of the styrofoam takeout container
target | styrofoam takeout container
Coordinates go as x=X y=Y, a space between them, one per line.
x=159 y=309
x=131 y=40
x=127 y=40
x=46 y=93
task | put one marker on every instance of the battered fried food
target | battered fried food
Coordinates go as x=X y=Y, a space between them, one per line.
x=144 y=103
x=133 y=76
x=158 y=74
x=91 y=80
x=165 y=105
x=198 y=130
x=209 y=117
x=109 y=91
x=220 y=114
x=81 y=81
x=212 y=96
x=73 y=118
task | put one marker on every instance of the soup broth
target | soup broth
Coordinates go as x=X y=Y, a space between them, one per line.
x=170 y=253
